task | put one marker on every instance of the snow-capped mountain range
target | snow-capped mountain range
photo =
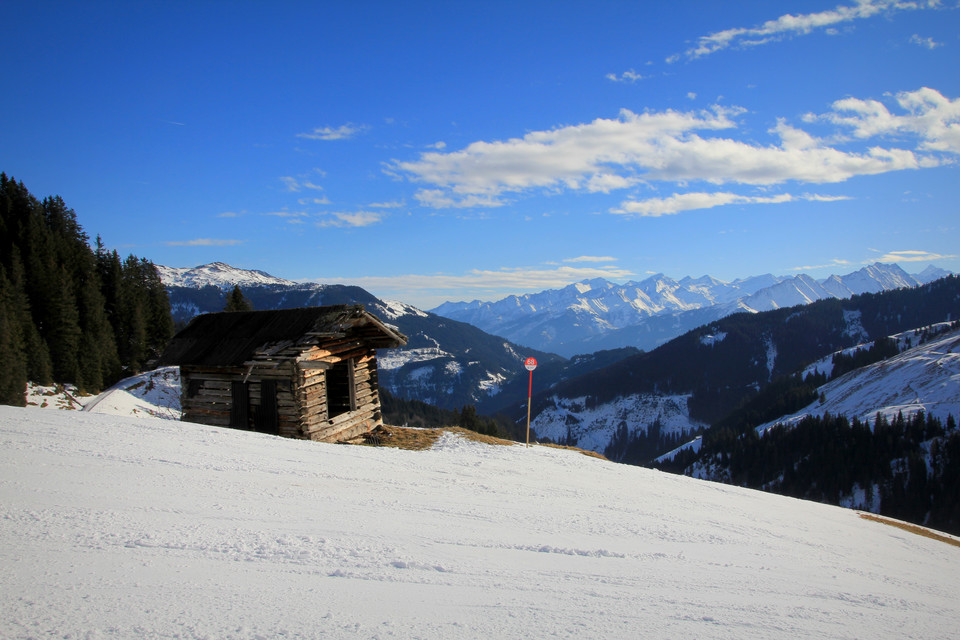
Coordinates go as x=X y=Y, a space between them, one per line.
x=702 y=376
x=598 y=314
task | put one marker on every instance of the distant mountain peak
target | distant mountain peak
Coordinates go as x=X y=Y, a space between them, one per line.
x=598 y=314
x=218 y=274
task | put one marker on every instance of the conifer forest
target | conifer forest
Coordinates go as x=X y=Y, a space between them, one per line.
x=70 y=312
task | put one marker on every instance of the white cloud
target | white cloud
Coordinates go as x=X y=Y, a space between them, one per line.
x=291 y=183
x=629 y=76
x=440 y=199
x=204 y=242
x=574 y=157
x=607 y=182
x=591 y=259
x=333 y=133
x=323 y=200
x=655 y=207
x=350 y=219
x=678 y=202
x=914 y=256
x=928 y=43
x=929 y=115
x=792 y=25
x=396 y=204
x=813 y=267
x=609 y=154
x=303 y=181
x=286 y=214
x=290 y=217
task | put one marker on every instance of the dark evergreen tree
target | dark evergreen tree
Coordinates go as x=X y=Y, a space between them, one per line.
x=236 y=301
x=66 y=308
x=13 y=366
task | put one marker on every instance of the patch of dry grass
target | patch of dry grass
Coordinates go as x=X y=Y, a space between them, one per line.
x=586 y=452
x=912 y=528
x=414 y=439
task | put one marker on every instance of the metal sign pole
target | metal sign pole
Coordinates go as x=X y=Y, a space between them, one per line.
x=530 y=364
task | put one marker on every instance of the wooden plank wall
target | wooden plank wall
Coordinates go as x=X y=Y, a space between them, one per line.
x=366 y=414
x=302 y=405
x=210 y=403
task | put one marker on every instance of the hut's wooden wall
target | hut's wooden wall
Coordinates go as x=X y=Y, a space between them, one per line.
x=206 y=395
x=365 y=414
x=302 y=392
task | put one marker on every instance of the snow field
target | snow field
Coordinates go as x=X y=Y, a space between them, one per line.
x=118 y=527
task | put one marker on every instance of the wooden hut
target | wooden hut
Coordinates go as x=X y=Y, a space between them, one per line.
x=302 y=373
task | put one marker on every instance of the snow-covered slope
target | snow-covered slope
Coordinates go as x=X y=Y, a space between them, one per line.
x=924 y=378
x=121 y=528
x=597 y=314
x=151 y=393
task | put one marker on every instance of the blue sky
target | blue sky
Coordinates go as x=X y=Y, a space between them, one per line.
x=432 y=151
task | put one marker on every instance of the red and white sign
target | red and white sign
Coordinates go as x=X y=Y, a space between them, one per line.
x=530 y=364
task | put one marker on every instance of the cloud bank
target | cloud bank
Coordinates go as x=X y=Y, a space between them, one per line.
x=678 y=202
x=609 y=154
x=789 y=25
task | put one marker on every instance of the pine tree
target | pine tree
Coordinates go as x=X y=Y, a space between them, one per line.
x=236 y=301
x=13 y=366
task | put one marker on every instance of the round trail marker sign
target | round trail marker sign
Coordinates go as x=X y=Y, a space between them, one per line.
x=530 y=364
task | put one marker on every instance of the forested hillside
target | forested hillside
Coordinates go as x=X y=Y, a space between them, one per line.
x=906 y=468
x=881 y=435
x=69 y=312
x=724 y=363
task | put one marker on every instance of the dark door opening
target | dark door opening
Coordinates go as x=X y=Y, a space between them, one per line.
x=340 y=393
x=254 y=406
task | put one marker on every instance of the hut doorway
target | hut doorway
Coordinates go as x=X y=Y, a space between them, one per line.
x=254 y=406
x=341 y=394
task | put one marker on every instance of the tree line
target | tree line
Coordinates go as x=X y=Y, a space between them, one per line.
x=909 y=467
x=69 y=312
x=414 y=413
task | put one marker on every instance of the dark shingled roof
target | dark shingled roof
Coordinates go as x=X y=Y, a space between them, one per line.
x=232 y=338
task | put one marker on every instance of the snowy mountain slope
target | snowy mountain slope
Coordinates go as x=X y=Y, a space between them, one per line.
x=445 y=363
x=217 y=274
x=923 y=378
x=123 y=527
x=719 y=366
x=597 y=314
x=570 y=420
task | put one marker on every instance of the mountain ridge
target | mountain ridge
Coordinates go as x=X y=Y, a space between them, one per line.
x=715 y=368
x=597 y=314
